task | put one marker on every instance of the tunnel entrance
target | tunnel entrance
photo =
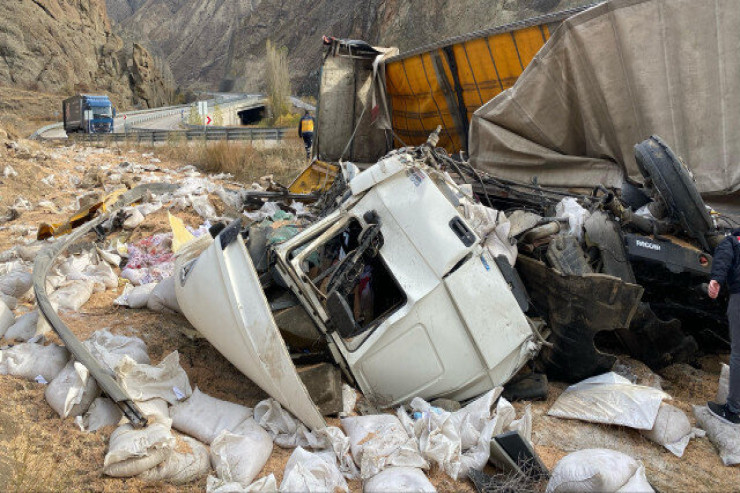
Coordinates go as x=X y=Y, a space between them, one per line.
x=250 y=116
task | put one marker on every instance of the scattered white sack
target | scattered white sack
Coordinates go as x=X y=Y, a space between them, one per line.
x=135 y=217
x=24 y=327
x=143 y=382
x=577 y=215
x=266 y=484
x=9 y=172
x=285 y=430
x=149 y=207
x=48 y=181
x=523 y=425
x=380 y=441
x=102 y=276
x=410 y=479
x=112 y=258
x=724 y=436
x=460 y=441
x=205 y=417
x=163 y=298
x=132 y=451
x=134 y=296
x=156 y=408
x=610 y=399
x=672 y=430
x=29 y=360
x=723 y=389
x=310 y=473
x=102 y=412
x=188 y=461
x=7 y=319
x=109 y=348
x=335 y=440
x=9 y=301
x=598 y=470
x=17 y=284
x=240 y=456
x=72 y=391
x=72 y=295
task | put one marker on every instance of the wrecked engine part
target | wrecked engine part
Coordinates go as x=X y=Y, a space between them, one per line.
x=577 y=307
x=566 y=255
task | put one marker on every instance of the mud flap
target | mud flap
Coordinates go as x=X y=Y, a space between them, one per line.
x=577 y=307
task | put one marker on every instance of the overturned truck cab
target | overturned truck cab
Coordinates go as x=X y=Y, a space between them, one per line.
x=395 y=280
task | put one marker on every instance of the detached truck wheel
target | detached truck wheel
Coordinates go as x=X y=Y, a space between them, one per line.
x=675 y=185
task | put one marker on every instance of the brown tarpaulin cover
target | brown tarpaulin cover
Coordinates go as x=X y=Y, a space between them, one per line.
x=610 y=77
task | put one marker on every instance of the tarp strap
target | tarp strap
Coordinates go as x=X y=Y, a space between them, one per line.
x=460 y=106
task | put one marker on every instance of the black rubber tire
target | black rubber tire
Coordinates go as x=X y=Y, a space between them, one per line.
x=674 y=183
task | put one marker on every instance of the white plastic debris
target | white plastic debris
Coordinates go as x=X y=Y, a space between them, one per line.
x=672 y=430
x=132 y=451
x=492 y=227
x=335 y=440
x=205 y=417
x=267 y=484
x=285 y=430
x=399 y=479
x=24 y=327
x=72 y=295
x=17 y=284
x=7 y=319
x=135 y=296
x=102 y=412
x=134 y=218
x=724 y=436
x=143 y=382
x=577 y=215
x=310 y=473
x=723 y=389
x=9 y=172
x=188 y=461
x=380 y=441
x=29 y=359
x=163 y=298
x=598 y=470
x=72 y=391
x=349 y=400
x=610 y=399
x=109 y=348
x=239 y=457
x=203 y=207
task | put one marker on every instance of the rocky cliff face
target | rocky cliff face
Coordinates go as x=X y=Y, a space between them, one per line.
x=221 y=43
x=193 y=36
x=67 y=46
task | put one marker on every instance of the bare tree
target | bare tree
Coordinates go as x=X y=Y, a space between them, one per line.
x=277 y=80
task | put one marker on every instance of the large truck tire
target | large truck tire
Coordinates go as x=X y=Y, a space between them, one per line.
x=675 y=185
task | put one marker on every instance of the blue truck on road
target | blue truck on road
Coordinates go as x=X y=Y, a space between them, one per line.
x=88 y=114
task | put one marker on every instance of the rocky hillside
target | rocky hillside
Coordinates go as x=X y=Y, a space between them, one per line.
x=221 y=43
x=67 y=46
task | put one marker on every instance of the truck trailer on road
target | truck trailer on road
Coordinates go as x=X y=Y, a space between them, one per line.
x=88 y=114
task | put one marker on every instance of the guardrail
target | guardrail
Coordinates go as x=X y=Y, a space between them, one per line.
x=212 y=134
x=141 y=116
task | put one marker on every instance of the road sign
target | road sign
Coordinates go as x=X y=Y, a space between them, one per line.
x=203 y=108
x=208 y=120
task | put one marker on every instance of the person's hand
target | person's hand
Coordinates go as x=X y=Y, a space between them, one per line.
x=713 y=289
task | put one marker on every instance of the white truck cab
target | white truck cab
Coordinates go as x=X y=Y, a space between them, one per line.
x=409 y=300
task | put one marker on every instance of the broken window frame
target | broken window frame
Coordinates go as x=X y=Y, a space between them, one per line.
x=316 y=298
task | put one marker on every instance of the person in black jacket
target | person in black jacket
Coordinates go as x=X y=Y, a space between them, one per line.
x=726 y=270
x=305 y=131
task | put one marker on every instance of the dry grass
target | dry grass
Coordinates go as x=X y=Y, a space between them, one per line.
x=243 y=160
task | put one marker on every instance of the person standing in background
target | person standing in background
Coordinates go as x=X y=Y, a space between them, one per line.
x=305 y=131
